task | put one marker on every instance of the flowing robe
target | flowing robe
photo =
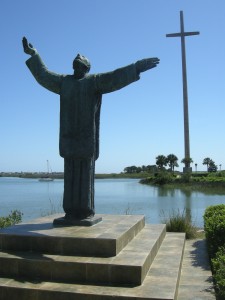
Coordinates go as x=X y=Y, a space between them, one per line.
x=80 y=104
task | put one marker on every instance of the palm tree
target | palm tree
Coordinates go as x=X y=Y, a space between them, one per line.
x=161 y=161
x=212 y=166
x=187 y=160
x=172 y=161
x=207 y=161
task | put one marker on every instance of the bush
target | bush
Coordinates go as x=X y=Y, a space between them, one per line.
x=199 y=174
x=186 y=178
x=180 y=222
x=214 y=225
x=218 y=265
x=13 y=218
x=163 y=178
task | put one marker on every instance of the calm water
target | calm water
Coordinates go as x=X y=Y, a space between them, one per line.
x=112 y=196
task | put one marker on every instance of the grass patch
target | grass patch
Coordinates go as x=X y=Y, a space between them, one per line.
x=13 y=218
x=179 y=222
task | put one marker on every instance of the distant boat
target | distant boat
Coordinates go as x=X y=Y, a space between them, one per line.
x=47 y=177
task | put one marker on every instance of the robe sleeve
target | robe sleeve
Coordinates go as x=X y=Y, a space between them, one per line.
x=117 y=79
x=49 y=80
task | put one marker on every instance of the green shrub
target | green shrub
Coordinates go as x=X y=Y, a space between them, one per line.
x=217 y=174
x=218 y=266
x=180 y=222
x=13 y=218
x=163 y=178
x=186 y=178
x=199 y=174
x=214 y=225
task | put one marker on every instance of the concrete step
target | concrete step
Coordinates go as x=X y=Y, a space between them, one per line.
x=161 y=281
x=130 y=266
x=104 y=239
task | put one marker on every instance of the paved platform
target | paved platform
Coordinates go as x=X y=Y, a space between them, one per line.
x=196 y=277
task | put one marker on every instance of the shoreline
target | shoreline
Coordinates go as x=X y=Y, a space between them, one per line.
x=60 y=175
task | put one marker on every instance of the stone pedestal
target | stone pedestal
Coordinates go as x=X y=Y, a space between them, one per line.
x=120 y=257
x=187 y=170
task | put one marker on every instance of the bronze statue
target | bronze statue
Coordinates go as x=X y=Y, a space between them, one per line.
x=80 y=104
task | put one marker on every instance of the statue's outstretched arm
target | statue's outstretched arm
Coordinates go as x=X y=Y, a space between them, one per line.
x=146 y=64
x=50 y=80
x=28 y=48
x=117 y=79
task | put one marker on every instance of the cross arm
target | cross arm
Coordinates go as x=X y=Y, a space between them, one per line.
x=179 y=34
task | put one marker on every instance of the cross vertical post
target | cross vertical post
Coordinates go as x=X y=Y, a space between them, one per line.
x=182 y=34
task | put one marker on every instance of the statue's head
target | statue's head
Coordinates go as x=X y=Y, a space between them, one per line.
x=81 y=66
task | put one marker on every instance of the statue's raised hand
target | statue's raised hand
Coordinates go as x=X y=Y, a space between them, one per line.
x=146 y=64
x=28 y=48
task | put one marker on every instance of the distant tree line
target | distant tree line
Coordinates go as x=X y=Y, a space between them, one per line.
x=134 y=169
x=171 y=161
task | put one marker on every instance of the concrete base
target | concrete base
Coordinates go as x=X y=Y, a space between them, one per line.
x=104 y=239
x=77 y=222
x=187 y=170
x=119 y=258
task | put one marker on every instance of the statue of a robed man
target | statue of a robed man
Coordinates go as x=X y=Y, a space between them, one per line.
x=80 y=104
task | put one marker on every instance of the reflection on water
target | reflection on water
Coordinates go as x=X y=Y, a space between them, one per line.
x=177 y=194
x=112 y=196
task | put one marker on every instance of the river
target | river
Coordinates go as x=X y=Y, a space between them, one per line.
x=112 y=196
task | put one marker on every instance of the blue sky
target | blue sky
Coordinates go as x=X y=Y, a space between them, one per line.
x=139 y=122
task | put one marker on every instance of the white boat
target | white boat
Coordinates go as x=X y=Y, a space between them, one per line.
x=47 y=177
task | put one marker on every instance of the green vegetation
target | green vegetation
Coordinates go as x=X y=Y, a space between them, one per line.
x=180 y=222
x=211 y=166
x=162 y=161
x=189 y=181
x=187 y=161
x=60 y=175
x=36 y=175
x=158 y=174
x=13 y=218
x=122 y=175
x=172 y=161
x=214 y=225
x=142 y=169
x=218 y=266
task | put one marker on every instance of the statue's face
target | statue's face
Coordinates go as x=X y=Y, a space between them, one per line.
x=81 y=66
